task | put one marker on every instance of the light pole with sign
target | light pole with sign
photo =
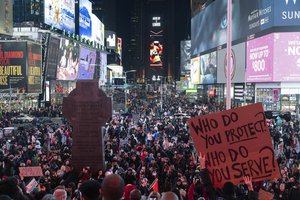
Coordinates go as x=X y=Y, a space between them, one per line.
x=126 y=86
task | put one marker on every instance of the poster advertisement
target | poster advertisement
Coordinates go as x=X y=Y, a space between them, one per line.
x=195 y=70
x=235 y=145
x=208 y=68
x=67 y=63
x=13 y=65
x=111 y=39
x=86 y=63
x=97 y=34
x=260 y=59
x=103 y=68
x=60 y=14
x=34 y=71
x=6 y=17
x=286 y=57
x=52 y=56
x=85 y=19
x=185 y=56
x=238 y=60
x=156 y=51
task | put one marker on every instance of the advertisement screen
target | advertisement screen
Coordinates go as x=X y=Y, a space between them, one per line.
x=34 y=71
x=185 y=56
x=85 y=19
x=13 y=64
x=260 y=59
x=117 y=71
x=103 y=68
x=248 y=17
x=238 y=56
x=195 y=70
x=286 y=57
x=287 y=12
x=86 y=63
x=6 y=17
x=111 y=39
x=60 y=14
x=97 y=34
x=67 y=63
x=208 y=68
x=156 y=51
x=52 y=56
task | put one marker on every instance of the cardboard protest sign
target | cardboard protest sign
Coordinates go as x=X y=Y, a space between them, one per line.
x=31 y=185
x=236 y=143
x=30 y=171
x=264 y=195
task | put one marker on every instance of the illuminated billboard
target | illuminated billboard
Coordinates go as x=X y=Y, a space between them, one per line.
x=85 y=19
x=185 y=56
x=195 y=70
x=208 y=68
x=34 y=71
x=60 y=14
x=13 y=65
x=86 y=63
x=156 y=51
x=103 y=68
x=52 y=55
x=6 y=17
x=111 y=39
x=67 y=63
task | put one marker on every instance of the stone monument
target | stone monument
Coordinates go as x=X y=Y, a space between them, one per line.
x=87 y=108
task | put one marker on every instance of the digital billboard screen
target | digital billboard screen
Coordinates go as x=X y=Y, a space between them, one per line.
x=111 y=39
x=13 y=65
x=34 y=71
x=156 y=51
x=103 y=68
x=208 y=68
x=259 y=59
x=85 y=19
x=286 y=57
x=86 y=63
x=67 y=63
x=195 y=70
x=60 y=14
x=97 y=34
x=248 y=17
x=287 y=13
x=6 y=17
x=52 y=56
x=238 y=66
x=185 y=56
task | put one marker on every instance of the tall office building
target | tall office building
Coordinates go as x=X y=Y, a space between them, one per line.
x=28 y=11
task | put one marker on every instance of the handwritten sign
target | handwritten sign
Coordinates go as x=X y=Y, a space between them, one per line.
x=264 y=195
x=236 y=143
x=30 y=171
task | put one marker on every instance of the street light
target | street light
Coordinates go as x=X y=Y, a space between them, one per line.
x=161 y=79
x=130 y=71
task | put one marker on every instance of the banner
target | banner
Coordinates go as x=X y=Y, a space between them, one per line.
x=31 y=185
x=30 y=171
x=34 y=72
x=13 y=65
x=287 y=13
x=85 y=19
x=236 y=143
x=208 y=68
x=195 y=70
x=103 y=68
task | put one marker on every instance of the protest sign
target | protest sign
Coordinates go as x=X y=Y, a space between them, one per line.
x=30 y=171
x=31 y=185
x=236 y=143
x=264 y=195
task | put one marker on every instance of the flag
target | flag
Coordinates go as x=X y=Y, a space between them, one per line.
x=154 y=185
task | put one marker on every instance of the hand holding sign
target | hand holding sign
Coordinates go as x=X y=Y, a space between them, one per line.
x=235 y=143
x=248 y=182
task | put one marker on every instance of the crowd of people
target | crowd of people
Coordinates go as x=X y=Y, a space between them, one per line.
x=149 y=151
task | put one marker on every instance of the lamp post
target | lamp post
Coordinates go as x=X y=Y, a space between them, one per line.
x=130 y=71
x=161 y=79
